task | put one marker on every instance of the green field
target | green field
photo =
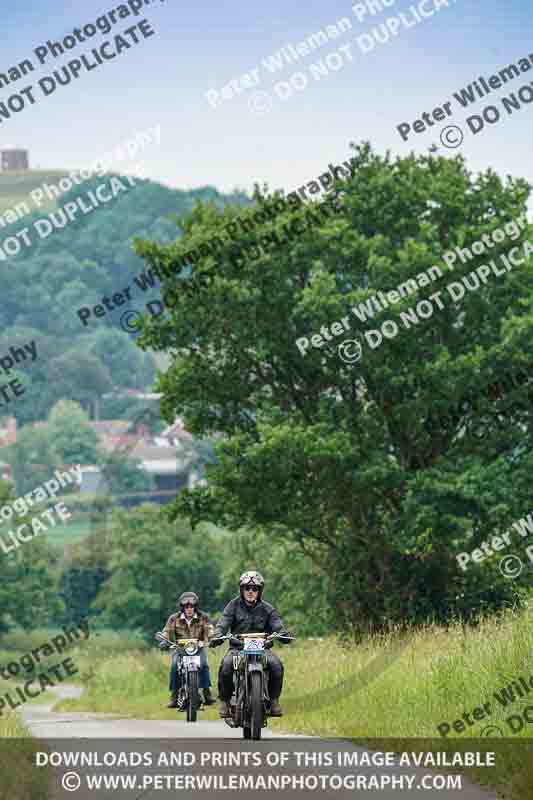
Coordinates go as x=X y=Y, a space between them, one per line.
x=15 y=187
x=70 y=532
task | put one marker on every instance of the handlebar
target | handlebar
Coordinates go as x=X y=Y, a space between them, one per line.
x=163 y=640
x=174 y=645
x=216 y=641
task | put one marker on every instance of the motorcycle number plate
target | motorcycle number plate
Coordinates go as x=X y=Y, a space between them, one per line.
x=190 y=660
x=254 y=645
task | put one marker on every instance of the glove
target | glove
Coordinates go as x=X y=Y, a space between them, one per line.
x=283 y=639
x=164 y=646
x=216 y=642
x=269 y=643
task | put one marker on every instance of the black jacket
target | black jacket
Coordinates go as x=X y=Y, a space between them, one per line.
x=237 y=617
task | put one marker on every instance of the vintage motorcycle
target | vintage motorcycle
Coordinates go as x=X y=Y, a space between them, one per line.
x=250 y=702
x=188 y=667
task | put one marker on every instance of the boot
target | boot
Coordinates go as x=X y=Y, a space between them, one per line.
x=173 y=700
x=275 y=708
x=208 y=697
x=224 y=709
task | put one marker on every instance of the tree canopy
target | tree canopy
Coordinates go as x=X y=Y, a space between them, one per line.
x=356 y=462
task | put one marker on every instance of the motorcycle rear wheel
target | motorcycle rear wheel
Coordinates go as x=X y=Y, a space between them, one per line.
x=193 y=699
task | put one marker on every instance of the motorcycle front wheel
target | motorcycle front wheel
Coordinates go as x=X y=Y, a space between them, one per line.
x=256 y=705
x=193 y=699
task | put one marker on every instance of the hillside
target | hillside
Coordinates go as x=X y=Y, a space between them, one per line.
x=74 y=267
x=16 y=185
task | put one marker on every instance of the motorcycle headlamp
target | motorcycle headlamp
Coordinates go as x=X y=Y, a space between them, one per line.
x=191 y=648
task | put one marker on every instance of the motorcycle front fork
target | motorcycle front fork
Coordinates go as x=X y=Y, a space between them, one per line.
x=183 y=691
x=238 y=697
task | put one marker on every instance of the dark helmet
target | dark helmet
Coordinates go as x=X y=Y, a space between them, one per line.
x=188 y=597
x=253 y=577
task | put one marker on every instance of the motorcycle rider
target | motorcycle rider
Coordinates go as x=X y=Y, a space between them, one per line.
x=189 y=623
x=249 y=613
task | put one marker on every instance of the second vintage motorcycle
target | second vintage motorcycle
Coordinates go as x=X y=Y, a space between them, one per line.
x=188 y=668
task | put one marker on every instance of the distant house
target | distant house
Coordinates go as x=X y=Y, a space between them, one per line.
x=113 y=435
x=167 y=465
x=169 y=458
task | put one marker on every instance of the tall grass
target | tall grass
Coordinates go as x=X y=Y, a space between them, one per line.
x=437 y=676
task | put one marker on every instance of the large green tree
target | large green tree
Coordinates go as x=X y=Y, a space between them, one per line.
x=356 y=459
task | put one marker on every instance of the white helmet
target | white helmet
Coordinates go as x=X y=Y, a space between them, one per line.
x=251 y=576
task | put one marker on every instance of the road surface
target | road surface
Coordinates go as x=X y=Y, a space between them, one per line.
x=106 y=733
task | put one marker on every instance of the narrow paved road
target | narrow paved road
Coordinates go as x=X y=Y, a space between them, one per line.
x=46 y=724
x=59 y=729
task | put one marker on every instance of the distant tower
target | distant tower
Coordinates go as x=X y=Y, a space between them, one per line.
x=14 y=158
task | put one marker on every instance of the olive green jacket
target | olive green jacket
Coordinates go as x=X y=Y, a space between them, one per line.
x=177 y=628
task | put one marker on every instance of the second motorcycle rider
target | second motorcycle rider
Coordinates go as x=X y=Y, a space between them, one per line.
x=189 y=623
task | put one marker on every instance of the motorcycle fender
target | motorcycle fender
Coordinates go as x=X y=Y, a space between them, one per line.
x=254 y=667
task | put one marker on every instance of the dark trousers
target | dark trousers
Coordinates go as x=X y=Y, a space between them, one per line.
x=225 y=675
x=204 y=678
